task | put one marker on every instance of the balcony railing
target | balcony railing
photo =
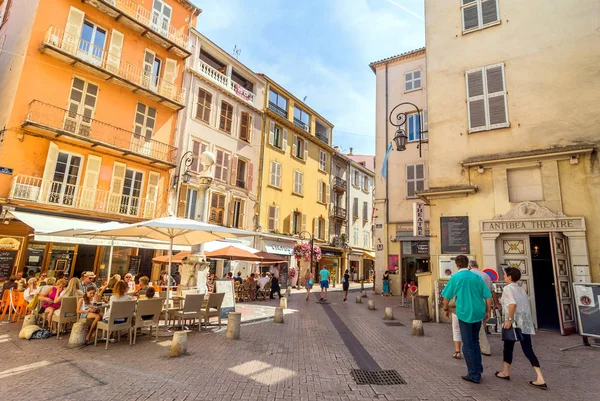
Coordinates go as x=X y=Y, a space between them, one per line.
x=278 y=110
x=55 y=193
x=339 y=183
x=223 y=81
x=63 y=121
x=301 y=124
x=323 y=138
x=111 y=64
x=240 y=184
x=148 y=18
x=338 y=212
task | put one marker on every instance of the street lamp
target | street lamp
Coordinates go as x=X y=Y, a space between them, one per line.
x=401 y=119
x=187 y=159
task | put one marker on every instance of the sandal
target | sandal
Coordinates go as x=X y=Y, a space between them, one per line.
x=540 y=386
x=502 y=377
x=456 y=355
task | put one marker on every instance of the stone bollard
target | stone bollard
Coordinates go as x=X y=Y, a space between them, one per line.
x=417 y=328
x=371 y=304
x=358 y=299
x=389 y=313
x=179 y=344
x=78 y=332
x=283 y=303
x=364 y=294
x=233 y=325
x=28 y=321
x=278 y=318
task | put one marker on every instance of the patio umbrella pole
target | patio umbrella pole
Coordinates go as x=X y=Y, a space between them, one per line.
x=110 y=257
x=169 y=279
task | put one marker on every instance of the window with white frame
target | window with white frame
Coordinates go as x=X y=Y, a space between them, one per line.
x=321 y=228
x=238 y=208
x=322 y=192
x=221 y=165
x=298 y=182
x=365 y=183
x=277 y=136
x=415 y=179
x=413 y=125
x=299 y=147
x=355 y=208
x=356 y=179
x=323 y=161
x=273 y=223
x=367 y=239
x=296 y=222
x=479 y=14
x=486 y=98
x=145 y=120
x=355 y=237
x=412 y=80
x=275 y=174
x=190 y=206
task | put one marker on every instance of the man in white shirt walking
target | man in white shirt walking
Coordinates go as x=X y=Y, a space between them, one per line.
x=483 y=341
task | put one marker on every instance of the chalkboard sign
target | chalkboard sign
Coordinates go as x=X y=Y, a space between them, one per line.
x=134 y=265
x=225 y=285
x=7 y=262
x=455 y=235
x=587 y=298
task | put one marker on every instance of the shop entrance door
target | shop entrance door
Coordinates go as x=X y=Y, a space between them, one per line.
x=562 y=278
x=86 y=257
x=544 y=283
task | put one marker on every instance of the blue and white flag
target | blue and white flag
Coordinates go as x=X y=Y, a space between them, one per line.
x=385 y=162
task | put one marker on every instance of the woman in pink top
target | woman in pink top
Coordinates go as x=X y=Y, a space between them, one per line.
x=51 y=299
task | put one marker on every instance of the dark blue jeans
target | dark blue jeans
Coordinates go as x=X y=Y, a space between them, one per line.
x=470 y=338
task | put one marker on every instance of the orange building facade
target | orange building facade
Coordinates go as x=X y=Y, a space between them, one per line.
x=91 y=90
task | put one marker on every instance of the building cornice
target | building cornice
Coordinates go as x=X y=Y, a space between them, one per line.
x=558 y=152
x=401 y=56
x=452 y=191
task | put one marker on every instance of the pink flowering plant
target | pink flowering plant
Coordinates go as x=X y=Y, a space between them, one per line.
x=302 y=252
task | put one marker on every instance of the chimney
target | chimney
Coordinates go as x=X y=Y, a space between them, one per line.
x=350 y=154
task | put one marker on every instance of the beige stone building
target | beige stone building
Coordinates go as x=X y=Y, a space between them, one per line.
x=513 y=166
x=400 y=79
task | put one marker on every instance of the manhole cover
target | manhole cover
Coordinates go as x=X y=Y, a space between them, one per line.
x=393 y=324
x=380 y=377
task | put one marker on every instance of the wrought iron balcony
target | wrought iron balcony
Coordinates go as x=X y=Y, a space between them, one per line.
x=109 y=66
x=338 y=212
x=278 y=110
x=323 y=138
x=149 y=24
x=339 y=184
x=62 y=194
x=54 y=122
x=301 y=124
x=223 y=81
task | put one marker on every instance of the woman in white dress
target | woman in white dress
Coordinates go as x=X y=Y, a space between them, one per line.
x=515 y=308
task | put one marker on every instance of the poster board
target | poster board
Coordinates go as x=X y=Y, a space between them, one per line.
x=226 y=286
x=587 y=299
x=134 y=265
x=7 y=263
x=455 y=235
x=447 y=266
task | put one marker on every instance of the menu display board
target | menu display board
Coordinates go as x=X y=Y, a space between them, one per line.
x=587 y=298
x=7 y=263
x=134 y=265
x=225 y=286
x=455 y=235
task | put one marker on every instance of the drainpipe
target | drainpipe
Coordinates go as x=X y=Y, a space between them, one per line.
x=387 y=199
x=261 y=162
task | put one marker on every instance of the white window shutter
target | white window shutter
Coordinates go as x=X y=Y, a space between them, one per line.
x=226 y=166
x=151 y=194
x=219 y=164
x=496 y=93
x=278 y=175
x=116 y=187
x=327 y=194
x=73 y=30
x=233 y=177
x=272 y=177
x=49 y=171
x=326 y=223
x=169 y=76
x=470 y=15
x=303 y=228
x=305 y=150
x=476 y=100
x=284 y=141
x=113 y=60
x=315 y=227
x=250 y=176
x=90 y=182
x=425 y=124
x=320 y=191
x=276 y=218
x=295 y=146
x=410 y=180
x=489 y=12
x=271 y=133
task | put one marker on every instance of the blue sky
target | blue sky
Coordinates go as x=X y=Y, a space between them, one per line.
x=320 y=49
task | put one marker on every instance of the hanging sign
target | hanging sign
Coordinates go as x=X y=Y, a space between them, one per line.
x=418 y=219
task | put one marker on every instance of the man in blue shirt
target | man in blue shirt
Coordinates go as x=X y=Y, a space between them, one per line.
x=473 y=302
x=324 y=273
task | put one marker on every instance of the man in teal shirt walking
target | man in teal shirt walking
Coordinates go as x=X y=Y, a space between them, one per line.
x=324 y=273
x=473 y=303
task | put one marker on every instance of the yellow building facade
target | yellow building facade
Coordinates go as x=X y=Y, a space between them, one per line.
x=513 y=172
x=294 y=172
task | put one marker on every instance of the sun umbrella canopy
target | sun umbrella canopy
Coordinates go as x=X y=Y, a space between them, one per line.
x=270 y=257
x=233 y=253
x=178 y=258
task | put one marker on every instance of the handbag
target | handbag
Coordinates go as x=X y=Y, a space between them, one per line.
x=34 y=302
x=310 y=283
x=512 y=334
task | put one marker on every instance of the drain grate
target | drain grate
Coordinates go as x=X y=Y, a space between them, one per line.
x=393 y=324
x=380 y=377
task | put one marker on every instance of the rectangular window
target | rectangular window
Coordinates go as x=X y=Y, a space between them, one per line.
x=302 y=119
x=82 y=105
x=226 y=117
x=91 y=44
x=161 y=17
x=298 y=147
x=278 y=103
x=365 y=183
x=245 y=126
x=237 y=213
x=322 y=192
x=321 y=228
x=296 y=222
x=413 y=124
x=241 y=172
x=412 y=80
x=355 y=236
x=322 y=161
x=277 y=136
x=275 y=174
x=525 y=184
x=366 y=211
x=415 y=179
x=190 y=206
x=197 y=149
x=486 y=98
x=152 y=69
x=145 y=120
x=273 y=224
x=132 y=189
x=221 y=165
x=355 y=208
x=479 y=14
x=217 y=209
x=63 y=188
x=356 y=179
x=367 y=241
x=298 y=182
x=203 y=105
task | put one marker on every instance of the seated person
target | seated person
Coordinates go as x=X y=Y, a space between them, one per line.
x=144 y=280
x=150 y=292
x=85 y=307
x=263 y=280
x=119 y=294
x=238 y=277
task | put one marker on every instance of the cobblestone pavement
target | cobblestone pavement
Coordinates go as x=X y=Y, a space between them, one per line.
x=306 y=358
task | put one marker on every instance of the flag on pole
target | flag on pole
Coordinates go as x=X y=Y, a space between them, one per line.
x=385 y=162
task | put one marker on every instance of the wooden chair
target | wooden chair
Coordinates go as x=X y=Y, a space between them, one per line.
x=213 y=307
x=66 y=314
x=192 y=309
x=147 y=315
x=120 y=318
x=266 y=291
x=237 y=291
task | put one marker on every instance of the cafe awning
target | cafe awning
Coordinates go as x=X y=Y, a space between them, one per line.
x=63 y=230
x=369 y=255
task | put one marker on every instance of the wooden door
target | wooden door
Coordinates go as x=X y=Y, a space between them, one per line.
x=562 y=281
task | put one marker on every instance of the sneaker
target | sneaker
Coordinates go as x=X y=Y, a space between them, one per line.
x=344 y=299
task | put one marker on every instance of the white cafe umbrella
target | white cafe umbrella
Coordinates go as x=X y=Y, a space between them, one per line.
x=177 y=231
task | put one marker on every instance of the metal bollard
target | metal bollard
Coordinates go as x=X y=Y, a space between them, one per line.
x=234 y=320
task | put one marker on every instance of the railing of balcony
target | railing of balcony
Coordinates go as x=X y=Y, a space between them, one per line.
x=301 y=124
x=35 y=189
x=221 y=79
x=278 y=110
x=82 y=126
x=323 y=138
x=338 y=212
x=339 y=183
x=153 y=19
x=242 y=92
x=103 y=59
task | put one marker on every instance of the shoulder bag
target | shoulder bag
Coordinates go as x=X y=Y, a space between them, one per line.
x=513 y=334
